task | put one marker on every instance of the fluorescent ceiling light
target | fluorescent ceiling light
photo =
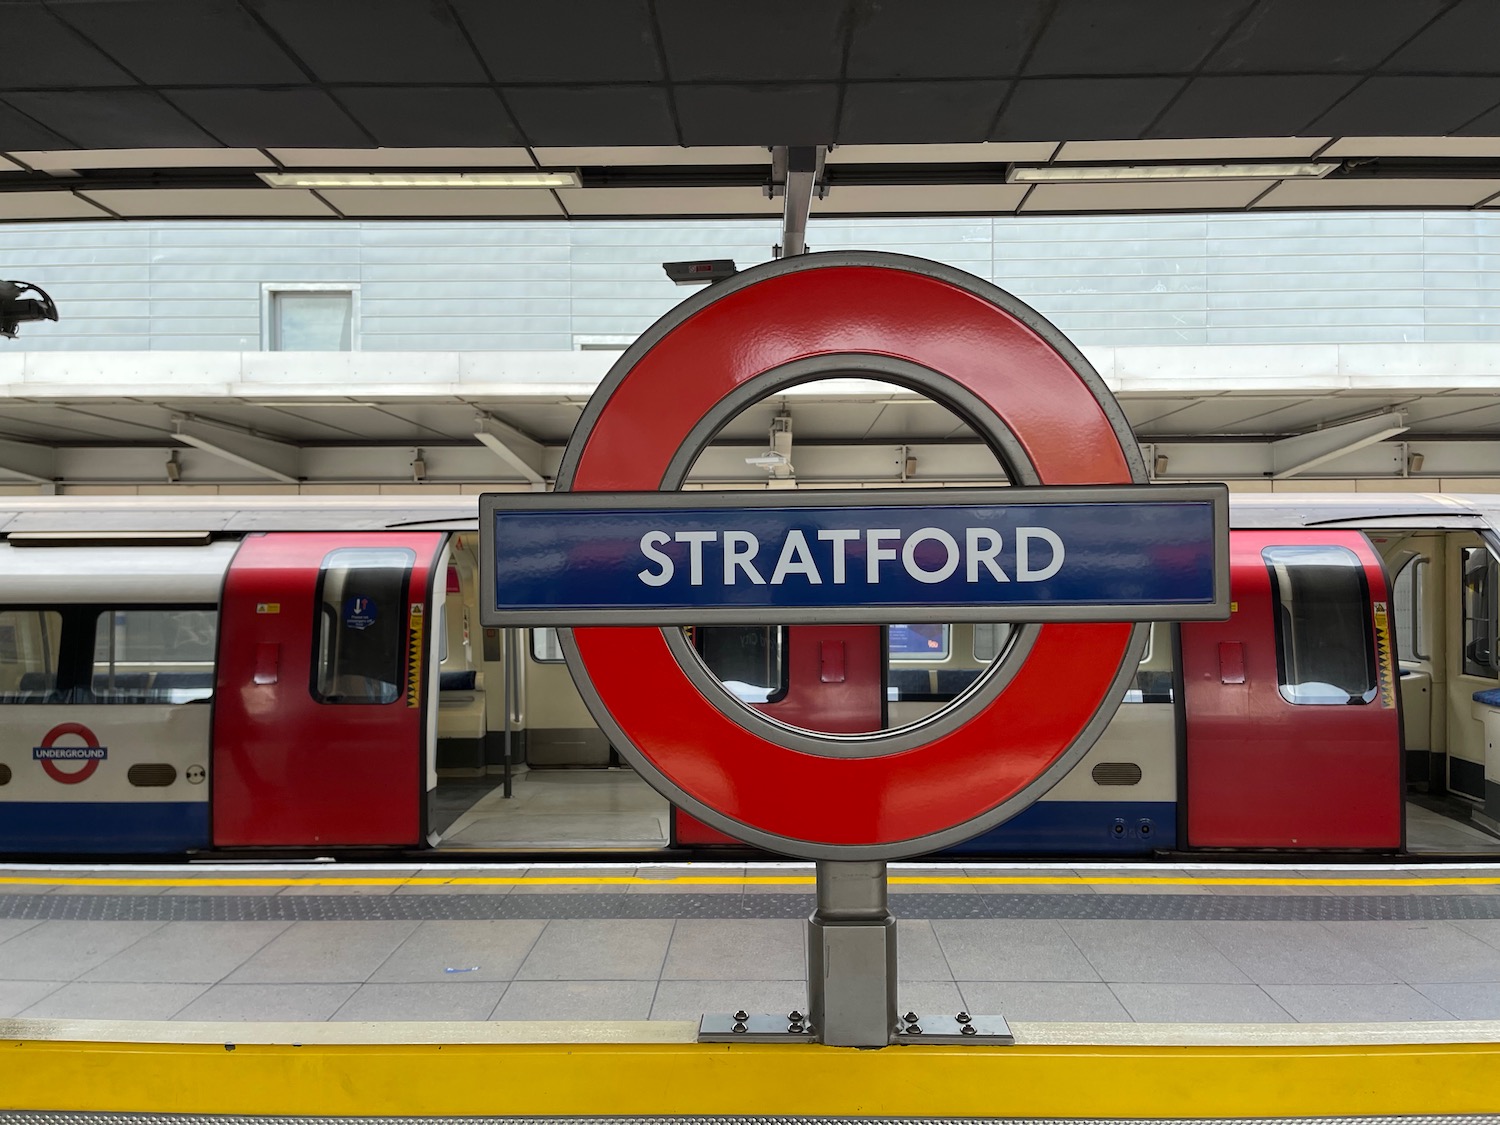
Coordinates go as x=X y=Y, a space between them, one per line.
x=1116 y=173
x=421 y=179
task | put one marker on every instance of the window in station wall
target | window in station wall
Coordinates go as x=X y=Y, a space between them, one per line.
x=309 y=318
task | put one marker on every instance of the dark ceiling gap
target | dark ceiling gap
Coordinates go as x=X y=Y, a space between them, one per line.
x=1198 y=70
x=313 y=81
x=848 y=21
x=666 y=71
x=1042 y=24
x=1375 y=70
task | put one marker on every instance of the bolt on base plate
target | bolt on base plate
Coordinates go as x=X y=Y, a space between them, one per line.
x=762 y=1027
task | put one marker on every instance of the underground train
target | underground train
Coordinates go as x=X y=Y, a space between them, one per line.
x=308 y=677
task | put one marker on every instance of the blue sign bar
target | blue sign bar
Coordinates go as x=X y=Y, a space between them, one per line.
x=1116 y=553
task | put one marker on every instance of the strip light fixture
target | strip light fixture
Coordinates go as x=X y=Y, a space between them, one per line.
x=520 y=179
x=1139 y=173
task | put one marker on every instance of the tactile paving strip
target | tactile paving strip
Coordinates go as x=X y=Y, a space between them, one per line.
x=471 y=907
x=10 y=1117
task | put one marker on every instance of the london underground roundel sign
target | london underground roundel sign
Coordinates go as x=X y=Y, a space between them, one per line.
x=1080 y=553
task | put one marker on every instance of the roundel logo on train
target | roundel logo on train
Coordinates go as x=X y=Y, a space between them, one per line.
x=49 y=753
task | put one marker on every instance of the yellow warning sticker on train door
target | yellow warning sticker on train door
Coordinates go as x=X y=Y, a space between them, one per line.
x=414 y=635
x=267 y=607
x=1384 y=664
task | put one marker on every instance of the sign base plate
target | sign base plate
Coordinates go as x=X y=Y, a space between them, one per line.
x=762 y=1027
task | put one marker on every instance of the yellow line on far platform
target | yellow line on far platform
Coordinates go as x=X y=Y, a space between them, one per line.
x=523 y=880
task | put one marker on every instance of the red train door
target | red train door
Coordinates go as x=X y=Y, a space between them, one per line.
x=319 y=731
x=835 y=682
x=1293 y=727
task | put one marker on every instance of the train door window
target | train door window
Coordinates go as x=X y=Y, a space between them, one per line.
x=1406 y=601
x=29 y=642
x=920 y=642
x=154 y=655
x=545 y=647
x=1325 y=652
x=749 y=660
x=358 y=654
x=1481 y=593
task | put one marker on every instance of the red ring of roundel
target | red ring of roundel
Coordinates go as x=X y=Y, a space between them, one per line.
x=1061 y=425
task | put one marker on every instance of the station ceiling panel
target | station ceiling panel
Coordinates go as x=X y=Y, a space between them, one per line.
x=928 y=107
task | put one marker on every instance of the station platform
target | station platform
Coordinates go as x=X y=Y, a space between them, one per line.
x=1134 y=991
x=1035 y=943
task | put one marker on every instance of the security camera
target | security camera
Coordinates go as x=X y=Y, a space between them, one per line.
x=16 y=310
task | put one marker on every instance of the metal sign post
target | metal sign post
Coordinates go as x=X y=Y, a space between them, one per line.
x=1081 y=554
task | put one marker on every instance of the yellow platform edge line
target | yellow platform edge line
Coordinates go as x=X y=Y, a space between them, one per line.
x=737 y=880
x=750 y=1079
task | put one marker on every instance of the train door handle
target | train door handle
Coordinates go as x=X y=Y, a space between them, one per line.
x=1231 y=662
x=267 y=662
x=832 y=664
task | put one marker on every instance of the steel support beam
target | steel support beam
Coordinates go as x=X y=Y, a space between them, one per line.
x=1293 y=455
x=262 y=455
x=797 y=170
x=522 y=453
x=30 y=462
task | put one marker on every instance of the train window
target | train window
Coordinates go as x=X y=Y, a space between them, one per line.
x=749 y=660
x=358 y=654
x=920 y=642
x=29 y=641
x=1410 y=617
x=545 y=647
x=1325 y=652
x=990 y=639
x=154 y=655
x=1481 y=595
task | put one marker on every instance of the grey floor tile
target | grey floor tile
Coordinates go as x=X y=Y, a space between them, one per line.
x=472 y=951
x=1421 y=952
x=1199 y=1003
x=576 y=1000
x=1043 y=1001
x=1465 y=1001
x=1146 y=952
x=298 y=888
x=85 y=1001
x=268 y=1002
x=1011 y=950
x=1137 y=883
x=604 y=949
x=422 y=1002
x=928 y=997
x=324 y=952
x=189 y=952
x=67 y=950
x=26 y=888
x=689 y=999
x=1292 y=953
x=11 y=927
x=1486 y=930
x=220 y=891
x=1352 y=1003
x=739 y=949
x=112 y=889
x=18 y=995
x=918 y=954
